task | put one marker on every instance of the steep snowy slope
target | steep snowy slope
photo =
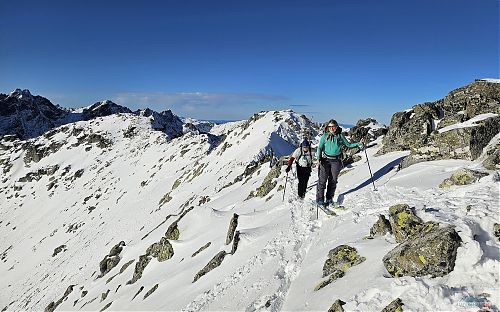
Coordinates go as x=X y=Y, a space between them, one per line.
x=86 y=186
x=94 y=184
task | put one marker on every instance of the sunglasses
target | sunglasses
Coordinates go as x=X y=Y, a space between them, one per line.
x=332 y=126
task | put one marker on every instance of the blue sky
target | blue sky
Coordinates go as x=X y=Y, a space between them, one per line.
x=228 y=59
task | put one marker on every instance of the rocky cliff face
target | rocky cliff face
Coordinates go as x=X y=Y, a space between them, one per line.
x=25 y=115
x=458 y=126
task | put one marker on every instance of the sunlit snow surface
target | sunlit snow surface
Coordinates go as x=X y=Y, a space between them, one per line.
x=282 y=249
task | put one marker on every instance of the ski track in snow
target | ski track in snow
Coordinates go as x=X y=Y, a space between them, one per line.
x=289 y=247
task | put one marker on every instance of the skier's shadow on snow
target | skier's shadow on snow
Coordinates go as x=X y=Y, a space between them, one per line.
x=377 y=175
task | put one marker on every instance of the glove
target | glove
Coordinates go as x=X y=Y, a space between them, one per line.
x=288 y=169
x=361 y=145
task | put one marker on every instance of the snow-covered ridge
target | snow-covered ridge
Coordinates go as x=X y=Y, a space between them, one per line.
x=492 y=80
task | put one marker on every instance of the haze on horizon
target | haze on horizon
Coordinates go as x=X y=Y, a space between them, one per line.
x=228 y=59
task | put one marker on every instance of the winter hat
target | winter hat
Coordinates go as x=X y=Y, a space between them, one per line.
x=305 y=143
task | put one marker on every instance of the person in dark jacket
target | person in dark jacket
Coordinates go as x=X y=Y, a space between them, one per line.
x=329 y=161
x=303 y=159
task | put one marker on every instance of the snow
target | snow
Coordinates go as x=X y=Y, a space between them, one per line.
x=469 y=123
x=492 y=80
x=283 y=246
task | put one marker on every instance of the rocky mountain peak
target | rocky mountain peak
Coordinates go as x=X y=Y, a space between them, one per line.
x=21 y=94
x=103 y=108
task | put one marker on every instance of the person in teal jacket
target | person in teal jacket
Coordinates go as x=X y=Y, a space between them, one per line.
x=329 y=161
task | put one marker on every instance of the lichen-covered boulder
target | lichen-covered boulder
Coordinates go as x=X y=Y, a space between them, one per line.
x=173 y=232
x=337 y=306
x=462 y=177
x=381 y=227
x=212 y=264
x=395 y=306
x=232 y=228
x=162 y=250
x=496 y=230
x=341 y=258
x=404 y=222
x=432 y=252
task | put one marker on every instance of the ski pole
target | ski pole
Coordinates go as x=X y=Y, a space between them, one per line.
x=284 y=190
x=369 y=168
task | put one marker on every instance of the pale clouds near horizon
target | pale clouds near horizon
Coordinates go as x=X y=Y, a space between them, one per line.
x=216 y=103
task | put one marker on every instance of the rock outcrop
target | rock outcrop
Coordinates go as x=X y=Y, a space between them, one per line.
x=337 y=306
x=112 y=259
x=268 y=184
x=139 y=268
x=53 y=305
x=212 y=264
x=404 y=222
x=425 y=130
x=232 y=228
x=367 y=128
x=431 y=252
x=395 y=306
x=162 y=250
x=339 y=260
x=462 y=177
x=381 y=227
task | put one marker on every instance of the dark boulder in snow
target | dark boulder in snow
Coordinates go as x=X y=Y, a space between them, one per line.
x=236 y=241
x=462 y=177
x=341 y=258
x=431 y=252
x=112 y=259
x=232 y=228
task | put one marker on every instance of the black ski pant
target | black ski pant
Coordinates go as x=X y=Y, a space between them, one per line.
x=303 y=174
x=329 y=170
